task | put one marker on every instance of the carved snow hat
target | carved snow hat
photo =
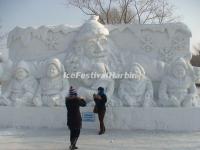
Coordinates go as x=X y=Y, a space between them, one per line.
x=91 y=29
x=57 y=63
x=24 y=65
x=139 y=66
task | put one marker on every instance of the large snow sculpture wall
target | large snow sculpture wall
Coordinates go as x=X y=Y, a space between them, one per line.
x=103 y=49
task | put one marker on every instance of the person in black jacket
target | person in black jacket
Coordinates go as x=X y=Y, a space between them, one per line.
x=74 y=120
x=100 y=107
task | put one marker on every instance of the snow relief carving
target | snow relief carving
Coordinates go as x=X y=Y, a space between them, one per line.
x=177 y=88
x=136 y=91
x=22 y=87
x=51 y=52
x=53 y=86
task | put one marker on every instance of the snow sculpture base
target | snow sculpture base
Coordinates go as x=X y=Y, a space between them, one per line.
x=166 y=119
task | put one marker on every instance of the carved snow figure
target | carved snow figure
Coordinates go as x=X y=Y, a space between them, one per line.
x=177 y=88
x=22 y=87
x=82 y=49
x=90 y=54
x=136 y=91
x=53 y=86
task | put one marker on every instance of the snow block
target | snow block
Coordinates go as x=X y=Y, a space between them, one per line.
x=130 y=118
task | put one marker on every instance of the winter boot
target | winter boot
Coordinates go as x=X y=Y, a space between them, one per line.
x=71 y=147
x=101 y=132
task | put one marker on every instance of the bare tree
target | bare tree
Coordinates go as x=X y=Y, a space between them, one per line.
x=196 y=49
x=164 y=12
x=127 y=11
x=195 y=61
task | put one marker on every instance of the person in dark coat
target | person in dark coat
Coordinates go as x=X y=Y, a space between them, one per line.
x=100 y=100
x=74 y=120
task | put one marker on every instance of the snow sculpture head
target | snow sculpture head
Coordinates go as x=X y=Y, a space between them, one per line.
x=92 y=39
x=177 y=87
x=54 y=68
x=179 y=68
x=22 y=71
x=91 y=45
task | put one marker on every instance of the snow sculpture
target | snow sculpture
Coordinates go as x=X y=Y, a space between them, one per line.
x=177 y=87
x=53 y=86
x=94 y=47
x=22 y=87
x=89 y=55
x=136 y=91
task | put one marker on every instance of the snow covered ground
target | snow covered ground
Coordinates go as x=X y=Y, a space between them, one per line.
x=58 y=139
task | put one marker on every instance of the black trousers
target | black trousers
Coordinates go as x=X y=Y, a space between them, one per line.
x=74 y=135
x=101 y=114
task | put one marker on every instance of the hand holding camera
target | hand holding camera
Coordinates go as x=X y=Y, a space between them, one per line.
x=96 y=96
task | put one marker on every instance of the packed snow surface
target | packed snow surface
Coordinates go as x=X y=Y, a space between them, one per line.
x=58 y=139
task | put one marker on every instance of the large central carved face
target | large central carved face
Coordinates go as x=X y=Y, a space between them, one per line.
x=52 y=71
x=21 y=74
x=96 y=48
x=179 y=71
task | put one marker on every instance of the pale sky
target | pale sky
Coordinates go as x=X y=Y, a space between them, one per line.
x=54 y=12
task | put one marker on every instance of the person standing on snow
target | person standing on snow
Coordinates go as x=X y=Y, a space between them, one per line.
x=74 y=120
x=100 y=100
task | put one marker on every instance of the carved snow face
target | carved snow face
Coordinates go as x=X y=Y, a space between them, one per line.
x=52 y=71
x=21 y=74
x=95 y=48
x=179 y=71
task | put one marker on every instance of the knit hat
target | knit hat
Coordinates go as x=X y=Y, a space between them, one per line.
x=100 y=91
x=72 y=91
x=100 y=88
